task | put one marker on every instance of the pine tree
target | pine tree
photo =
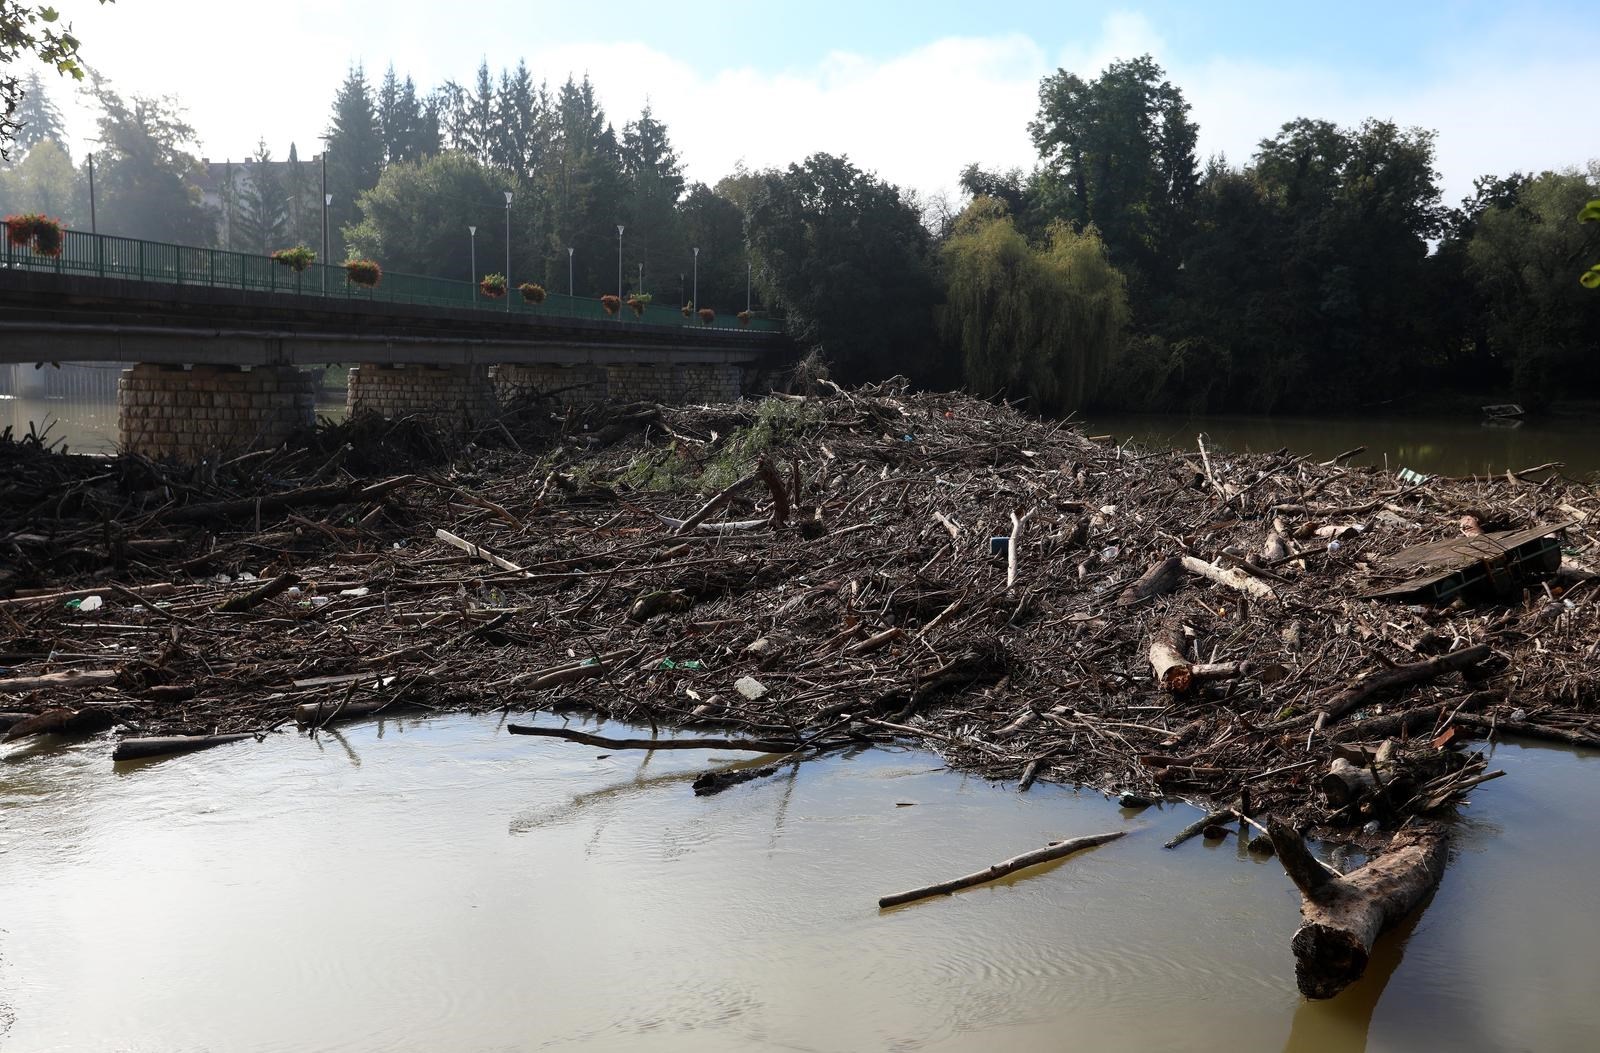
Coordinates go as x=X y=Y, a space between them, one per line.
x=421 y=138
x=654 y=185
x=481 y=118
x=355 y=153
x=263 y=206
x=37 y=117
x=391 y=121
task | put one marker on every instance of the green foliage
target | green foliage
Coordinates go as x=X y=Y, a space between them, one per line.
x=355 y=154
x=1119 y=153
x=33 y=31
x=146 y=176
x=1046 y=322
x=493 y=286
x=1590 y=213
x=848 y=260
x=1519 y=260
x=778 y=425
x=45 y=182
x=415 y=220
x=263 y=205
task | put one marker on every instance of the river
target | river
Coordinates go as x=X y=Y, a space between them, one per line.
x=441 y=885
x=78 y=404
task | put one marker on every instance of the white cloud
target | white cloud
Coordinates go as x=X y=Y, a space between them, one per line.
x=916 y=117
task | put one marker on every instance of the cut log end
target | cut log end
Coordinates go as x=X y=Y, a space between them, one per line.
x=1327 y=959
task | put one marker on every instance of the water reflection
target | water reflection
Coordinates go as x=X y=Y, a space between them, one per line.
x=1447 y=445
x=455 y=887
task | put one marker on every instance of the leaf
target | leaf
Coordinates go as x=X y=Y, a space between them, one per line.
x=1590 y=213
x=1591 y=277
x=48 y=14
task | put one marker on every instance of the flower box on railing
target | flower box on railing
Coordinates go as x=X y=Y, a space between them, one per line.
x=611 y=304
x=531 y=293
x=493 y=286
x=365 y=273
x=35 y=230
x=298 y=259
x=707 y=315
x=744 y=319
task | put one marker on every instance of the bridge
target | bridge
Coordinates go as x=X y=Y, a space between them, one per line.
x=215 y=341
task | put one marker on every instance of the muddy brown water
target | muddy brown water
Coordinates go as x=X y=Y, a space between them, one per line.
x=1433 y=445
x=442 y=885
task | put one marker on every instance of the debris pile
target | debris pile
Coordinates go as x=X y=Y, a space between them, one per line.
x=1253 y=632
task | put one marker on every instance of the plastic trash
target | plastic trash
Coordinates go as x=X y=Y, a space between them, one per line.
x=1372 y=827
x=1519 y=715
x=319 y=601
x=361 y=591
x=999 y=546
x=1334 y=546
x=73 y=605
x=687 y=663
x=91 y=603
x=1109 y=553
x=750 y=688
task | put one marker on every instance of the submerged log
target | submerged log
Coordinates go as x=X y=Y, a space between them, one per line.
x=167 y=745
x=1341 y=917
x=1054 y=850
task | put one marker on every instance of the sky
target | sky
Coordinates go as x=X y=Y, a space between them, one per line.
x=912 y=91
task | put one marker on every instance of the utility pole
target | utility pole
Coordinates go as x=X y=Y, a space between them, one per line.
x=508 y=252
x=93 y=228
x=472 y=279
x=569 y=272
x=619 y=267
x=327 y=200
x=696 y=299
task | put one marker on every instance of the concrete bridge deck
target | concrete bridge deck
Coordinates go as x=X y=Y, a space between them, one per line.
x=46 y=317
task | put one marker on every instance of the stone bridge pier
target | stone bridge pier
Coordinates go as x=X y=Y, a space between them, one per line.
x=199 y=412
x=191 y=413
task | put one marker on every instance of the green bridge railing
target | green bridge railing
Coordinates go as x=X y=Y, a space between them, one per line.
x=109 y=256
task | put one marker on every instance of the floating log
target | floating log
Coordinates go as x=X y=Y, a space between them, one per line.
x=62 y=721
x=167 y=745
x=325 y=712
x=1341 y=917
x=1054 y=850
x=753 y=745
x=1506 y=726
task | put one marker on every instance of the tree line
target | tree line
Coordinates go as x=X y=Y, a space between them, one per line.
x=1325 y=272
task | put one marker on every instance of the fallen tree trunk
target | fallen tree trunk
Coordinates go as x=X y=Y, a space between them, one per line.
x=753 y=745
x=1356 y=694
x=1505 y=726
x=1171 y=668
x=1054 y=850
x=167 y=745
x=57 y=681
x=1341 y=917
x=1232 y=577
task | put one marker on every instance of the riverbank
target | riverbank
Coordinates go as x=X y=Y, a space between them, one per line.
x=802 y=575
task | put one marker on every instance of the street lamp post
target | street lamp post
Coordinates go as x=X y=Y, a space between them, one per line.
x=747 y=281
x=619 y=265
x=638 y=289
x=696 y=298
x=569 y=272
x=327 y=201
x=472 y=278
x=508 y=252
x=93 y=228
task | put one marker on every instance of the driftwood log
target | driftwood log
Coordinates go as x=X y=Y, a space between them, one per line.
x=1341 y=917
x=1158 y=580
x=1172 y=670
x=1356 y=694
x=167 y=745
x=1054 y=850
x=571 y=735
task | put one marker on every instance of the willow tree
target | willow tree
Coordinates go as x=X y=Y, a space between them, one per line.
x=1041 y=321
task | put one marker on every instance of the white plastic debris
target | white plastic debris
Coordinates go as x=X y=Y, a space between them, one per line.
x=360 y=591
x=91 y=603
x=750 y=688
x=1519 y=715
